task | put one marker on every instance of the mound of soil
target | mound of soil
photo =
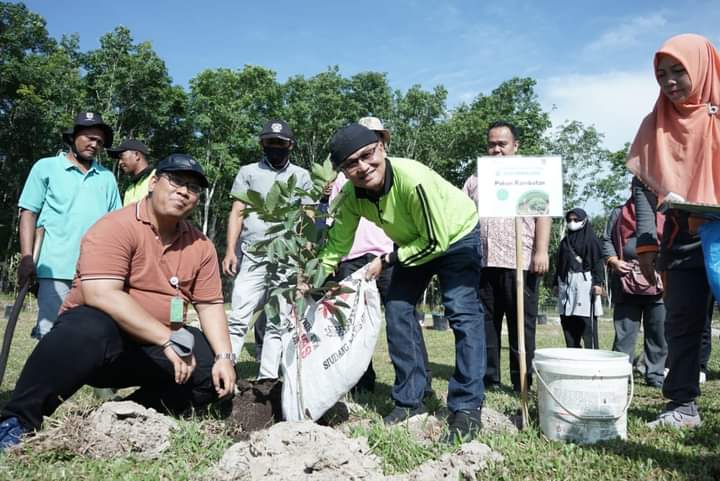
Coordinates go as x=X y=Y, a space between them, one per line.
x=297 y=451
x=306 y=451
x=462 y=465
x=114 y=429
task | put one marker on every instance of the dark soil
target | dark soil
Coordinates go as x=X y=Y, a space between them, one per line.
x=257 y=405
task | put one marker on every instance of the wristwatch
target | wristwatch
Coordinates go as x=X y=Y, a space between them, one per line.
x=226 y=355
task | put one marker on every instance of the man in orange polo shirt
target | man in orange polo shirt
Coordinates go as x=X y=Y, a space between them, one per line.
x=122 y=323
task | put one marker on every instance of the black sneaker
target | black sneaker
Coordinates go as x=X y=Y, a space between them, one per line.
x=400 y=414
x=462 y=426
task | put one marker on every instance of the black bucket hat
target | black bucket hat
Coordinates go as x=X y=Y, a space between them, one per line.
x=182 y=163
x=85 y=120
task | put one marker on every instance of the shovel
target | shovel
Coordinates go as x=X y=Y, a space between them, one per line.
x=16 y=308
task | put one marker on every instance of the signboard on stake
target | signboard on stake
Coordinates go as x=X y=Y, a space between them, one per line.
x=517 y=187
x=512 y=186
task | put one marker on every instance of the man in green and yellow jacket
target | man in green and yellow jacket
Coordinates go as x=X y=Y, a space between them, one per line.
x=434 y=227
x=132 y=159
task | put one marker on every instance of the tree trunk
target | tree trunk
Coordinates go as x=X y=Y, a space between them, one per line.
x=206 y=208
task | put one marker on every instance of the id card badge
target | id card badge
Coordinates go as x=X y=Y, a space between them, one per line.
x=177 y=305
x=177 y=308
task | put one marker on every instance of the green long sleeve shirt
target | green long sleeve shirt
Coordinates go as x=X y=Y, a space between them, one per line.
x=418 y=209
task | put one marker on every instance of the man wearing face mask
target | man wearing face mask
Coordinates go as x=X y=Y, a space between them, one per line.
x=64 y=195
x=250 y=288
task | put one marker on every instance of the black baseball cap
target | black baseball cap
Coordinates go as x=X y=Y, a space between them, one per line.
x=182 y=163
x=85 y=120
x=128 y=144
x=347 y=140
x=277 y=129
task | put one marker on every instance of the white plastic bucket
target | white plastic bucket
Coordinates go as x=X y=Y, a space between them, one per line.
x=583 y=394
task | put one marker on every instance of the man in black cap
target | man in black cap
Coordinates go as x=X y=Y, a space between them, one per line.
x=132 y=159
x=64 y=195
x=250 y=288
x=122 y=324
x=410 y=203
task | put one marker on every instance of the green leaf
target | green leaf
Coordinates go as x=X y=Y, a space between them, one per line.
x=272 y=311
x=291 y=183
x=281 y=248
x=275 y=229
x=255 y=199
x=273 y=197
x=340 y=317
x=319 y=277
x=256 y=315
x=300 y=307
x=339 y=303
x=344 y=289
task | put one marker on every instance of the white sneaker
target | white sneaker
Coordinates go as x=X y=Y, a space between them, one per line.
x=676 y=419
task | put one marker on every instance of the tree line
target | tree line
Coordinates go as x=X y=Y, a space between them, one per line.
x=44 y=82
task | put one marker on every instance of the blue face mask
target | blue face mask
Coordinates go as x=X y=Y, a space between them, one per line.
x=277 y=156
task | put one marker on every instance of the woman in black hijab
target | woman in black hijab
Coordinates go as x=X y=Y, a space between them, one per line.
x=579 y=281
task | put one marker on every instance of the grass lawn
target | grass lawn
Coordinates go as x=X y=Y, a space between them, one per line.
x=645 y=455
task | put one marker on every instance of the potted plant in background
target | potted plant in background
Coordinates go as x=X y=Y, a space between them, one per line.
x=440 y=322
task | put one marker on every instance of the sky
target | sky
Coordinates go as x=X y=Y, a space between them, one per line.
x=592 y=60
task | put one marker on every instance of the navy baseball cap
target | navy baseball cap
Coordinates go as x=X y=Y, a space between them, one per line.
x=277 y=129
x=128 y=144
x=182 y=163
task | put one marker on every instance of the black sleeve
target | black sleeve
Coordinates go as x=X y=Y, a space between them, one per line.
x=608 y=249
x=645 y=208
x=598 y=273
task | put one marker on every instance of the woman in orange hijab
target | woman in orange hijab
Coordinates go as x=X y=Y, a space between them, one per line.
x=676 y=156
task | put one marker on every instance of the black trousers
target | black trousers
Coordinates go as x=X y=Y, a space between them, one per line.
x=367 y=381
x=580 y=331
x=498 y=295
x=86 y=346
x=687 y=301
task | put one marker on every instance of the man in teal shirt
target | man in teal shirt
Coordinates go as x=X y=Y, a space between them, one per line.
x=63 y=195
x=434 y=227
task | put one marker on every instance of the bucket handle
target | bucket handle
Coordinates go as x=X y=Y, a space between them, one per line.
x=587 y=418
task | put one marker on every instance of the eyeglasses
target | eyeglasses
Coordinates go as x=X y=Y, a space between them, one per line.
x=177 y=182
x=351 y=166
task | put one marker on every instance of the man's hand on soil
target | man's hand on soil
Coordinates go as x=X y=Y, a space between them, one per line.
x=223 y=375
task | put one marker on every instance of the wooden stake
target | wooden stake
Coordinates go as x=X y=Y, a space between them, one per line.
x=520 y=296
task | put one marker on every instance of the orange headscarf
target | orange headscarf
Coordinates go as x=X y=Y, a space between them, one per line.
x=677 y=148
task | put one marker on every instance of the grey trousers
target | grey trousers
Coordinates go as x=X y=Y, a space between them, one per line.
x=627 y=318
x=51 y=294
x=249 y=294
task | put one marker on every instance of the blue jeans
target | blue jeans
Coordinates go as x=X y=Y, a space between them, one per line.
x=458 y=270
